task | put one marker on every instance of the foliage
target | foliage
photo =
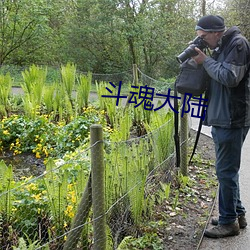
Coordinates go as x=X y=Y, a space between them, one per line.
x=22 y=23
x=5 y=89
x=22 y=245
x=48 y=98
x=101 y=90
x=51 y=200
x=34 y=81
x=46 y=205
x=43 y=137
x=6 y=184
x=147 y=241
x=161 y=134
x=236 y=13
x=106 y=36
x=68 y=74
x=30 y=204
x=83 y=90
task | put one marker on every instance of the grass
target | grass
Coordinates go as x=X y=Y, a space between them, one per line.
x=53 y=75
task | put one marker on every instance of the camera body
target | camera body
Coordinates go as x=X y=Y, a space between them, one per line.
x=190 y=51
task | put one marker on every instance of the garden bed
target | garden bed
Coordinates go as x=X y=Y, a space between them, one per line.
x=186 y=224
x=178 y=221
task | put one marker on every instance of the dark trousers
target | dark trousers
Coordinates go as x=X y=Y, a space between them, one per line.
x=228 y=145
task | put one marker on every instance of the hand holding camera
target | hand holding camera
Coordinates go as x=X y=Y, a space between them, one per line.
x=200 y=57
x=191 y=50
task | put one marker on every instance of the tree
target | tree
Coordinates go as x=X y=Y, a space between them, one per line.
x=237 y=13
x=21 y=21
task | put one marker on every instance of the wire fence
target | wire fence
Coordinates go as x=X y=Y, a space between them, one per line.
x=55 y=210
x=41 y=211
x=127 y=77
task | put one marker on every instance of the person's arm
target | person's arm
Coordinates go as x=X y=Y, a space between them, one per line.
x=232 y=70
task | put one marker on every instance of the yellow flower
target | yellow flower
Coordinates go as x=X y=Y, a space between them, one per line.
x=14 y=209
x=69 y=211
x=38 y=155
x=73 y=199
x=45 y=151
x=37 y=196
x=31 y=187
x=17 y=152
x=6 y=132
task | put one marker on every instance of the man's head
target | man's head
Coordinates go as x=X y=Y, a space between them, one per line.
x=211 y=28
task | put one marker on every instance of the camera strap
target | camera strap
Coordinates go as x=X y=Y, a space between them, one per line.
x=201 y=120
x=199 y=129
x=176 y=126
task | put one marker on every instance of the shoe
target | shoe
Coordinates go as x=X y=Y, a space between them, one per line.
x=241 y=219
x=221 y=231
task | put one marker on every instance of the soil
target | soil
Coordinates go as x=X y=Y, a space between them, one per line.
x=25 y=164
x=186 y=223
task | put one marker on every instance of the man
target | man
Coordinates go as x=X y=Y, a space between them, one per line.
x=228 y=113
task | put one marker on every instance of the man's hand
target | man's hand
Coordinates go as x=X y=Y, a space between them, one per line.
x=200 y=58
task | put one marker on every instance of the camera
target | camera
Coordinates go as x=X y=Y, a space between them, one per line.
x=190 y=51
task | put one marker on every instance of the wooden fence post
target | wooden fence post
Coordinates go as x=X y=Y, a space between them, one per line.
x=135 y=75
x=184 y=140
x=80 y=218
x=98 y=195
x=135 y=83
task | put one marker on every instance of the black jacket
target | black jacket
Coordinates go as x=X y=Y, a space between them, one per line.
x=229 y=88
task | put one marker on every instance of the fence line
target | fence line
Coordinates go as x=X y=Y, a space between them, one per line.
x=153 y=140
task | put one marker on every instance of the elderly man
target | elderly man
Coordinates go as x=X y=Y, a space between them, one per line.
x=228 y=113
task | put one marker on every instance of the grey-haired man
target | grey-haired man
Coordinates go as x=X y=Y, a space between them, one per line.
x=228 y=113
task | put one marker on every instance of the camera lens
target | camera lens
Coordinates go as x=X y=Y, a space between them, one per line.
x=190 y=50
x=187 y=53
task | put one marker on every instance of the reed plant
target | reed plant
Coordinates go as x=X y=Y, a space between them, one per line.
x=101 y=90
x=68 y=74
x=141 y=115
x=62 y=106
x=137 y=179
x=123 y=122
x=5 y=90
x=34 y=80
x=6 y=184
x=56 y=184
x=126 y=172
x=48 y=97
x=161 y=133
x=83 y=90
x=109 y=104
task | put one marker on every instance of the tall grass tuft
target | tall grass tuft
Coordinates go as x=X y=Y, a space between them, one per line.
x=83 y=90
x=161 y=129
x=48 y=98
x=62 y=106
x=6 y=184
x=101 y=90
x=33 y=86
x=5 y=89
x=56 y=184
x=68 y=74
